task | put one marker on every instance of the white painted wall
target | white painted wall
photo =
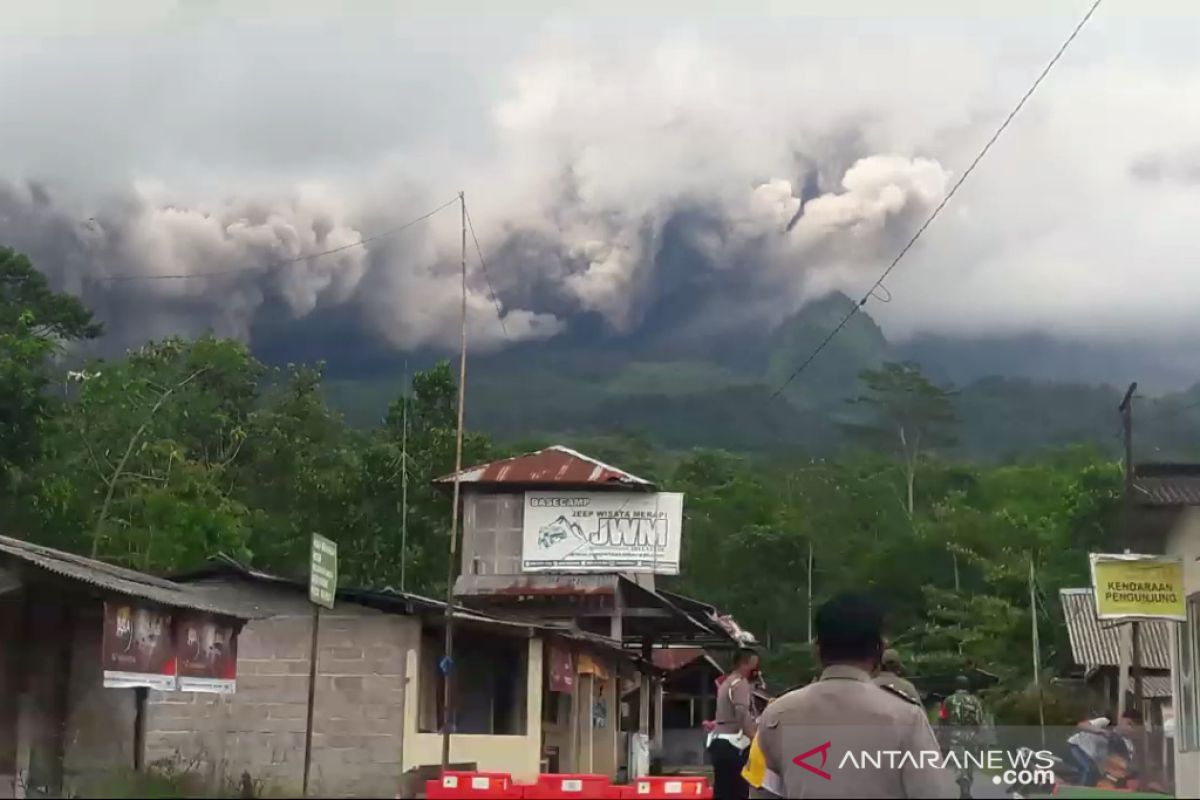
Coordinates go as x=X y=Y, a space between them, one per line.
x=1184 y=541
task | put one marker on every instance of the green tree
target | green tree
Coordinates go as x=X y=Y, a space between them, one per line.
x=432 y=420
x=36 y=323
x=906 y=415
x=135 y=464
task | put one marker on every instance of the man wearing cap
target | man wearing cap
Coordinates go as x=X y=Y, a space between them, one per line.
x=845 y=736
x=889 y=675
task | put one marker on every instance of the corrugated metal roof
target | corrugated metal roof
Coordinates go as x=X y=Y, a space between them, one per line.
x=1097 y=644
x=1167 y=484
x=724 y=623
x=673 y=658
x=118 y=580
x=553 y=466
x=1156 y=686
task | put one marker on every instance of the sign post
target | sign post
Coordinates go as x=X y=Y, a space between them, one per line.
x=322 y=589
x=1132 y=588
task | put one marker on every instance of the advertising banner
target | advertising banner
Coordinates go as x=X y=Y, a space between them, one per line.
x=602 y=532
x=1132 y=587
x=206 y=651
x=137 y=648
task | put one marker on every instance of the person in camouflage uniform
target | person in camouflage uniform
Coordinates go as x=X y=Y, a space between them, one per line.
x=963 y=719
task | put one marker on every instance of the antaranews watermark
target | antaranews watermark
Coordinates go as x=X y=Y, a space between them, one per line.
x=1023 y=766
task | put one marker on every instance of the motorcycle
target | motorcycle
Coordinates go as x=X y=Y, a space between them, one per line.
x=1115 y=772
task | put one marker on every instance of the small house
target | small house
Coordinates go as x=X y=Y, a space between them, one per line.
x=378 y=711
x=81 y=643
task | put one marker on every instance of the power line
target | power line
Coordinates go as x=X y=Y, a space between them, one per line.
x=933 y=215
x=1170 y=412
x=284 y=262
x=486 y=277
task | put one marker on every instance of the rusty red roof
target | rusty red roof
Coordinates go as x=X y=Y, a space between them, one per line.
x=554 y=466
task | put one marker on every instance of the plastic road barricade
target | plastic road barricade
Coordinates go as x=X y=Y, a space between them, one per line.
x=671 y=788
x=572 y=787
x=472 y=784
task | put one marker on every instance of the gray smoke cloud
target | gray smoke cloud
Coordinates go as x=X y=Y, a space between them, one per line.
x=613 y=166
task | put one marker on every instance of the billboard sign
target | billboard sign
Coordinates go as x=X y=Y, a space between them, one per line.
x=206 y=651
x=1132 y=587
x=137 y=648
x=602 y=532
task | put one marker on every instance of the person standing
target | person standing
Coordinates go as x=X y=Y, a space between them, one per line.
x=731 y=736
x=962 y=714
x=845 y=736
x=890 y=671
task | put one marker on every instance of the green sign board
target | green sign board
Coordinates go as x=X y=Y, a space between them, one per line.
x=322 y=571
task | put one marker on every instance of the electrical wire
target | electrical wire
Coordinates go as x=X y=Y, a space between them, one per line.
x=486 y=277
x=937 y=210
x=285 y=262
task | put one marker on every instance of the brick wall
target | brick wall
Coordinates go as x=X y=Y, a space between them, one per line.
x=357 y=726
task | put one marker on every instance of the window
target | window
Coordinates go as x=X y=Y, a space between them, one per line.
x=492 y=530
x=1187 y=635
x=489 y=683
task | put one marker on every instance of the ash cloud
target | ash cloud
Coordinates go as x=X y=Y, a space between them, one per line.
x=688 y=175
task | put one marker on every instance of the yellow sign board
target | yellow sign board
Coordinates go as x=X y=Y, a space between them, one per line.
x=1138 y=587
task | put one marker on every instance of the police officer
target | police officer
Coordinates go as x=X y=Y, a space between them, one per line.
x=889 y=675
x=844 y=736
x=729 y=742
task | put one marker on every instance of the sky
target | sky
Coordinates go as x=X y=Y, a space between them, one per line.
x=743 y=158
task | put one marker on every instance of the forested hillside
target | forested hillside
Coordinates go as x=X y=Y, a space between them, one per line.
x=711 y=394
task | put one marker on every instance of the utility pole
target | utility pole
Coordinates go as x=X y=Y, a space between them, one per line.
x=404 y=482
x=1126 y=411
x=447 y=665
x=810 y=591
x=1037 y=672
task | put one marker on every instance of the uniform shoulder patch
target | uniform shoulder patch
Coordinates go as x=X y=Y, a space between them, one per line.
x=903 y=695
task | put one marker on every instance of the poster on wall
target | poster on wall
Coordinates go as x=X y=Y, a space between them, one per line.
x=602 y=532
x=137 y=648
x=1134 y=587
x=562 y=669
x=206 y=652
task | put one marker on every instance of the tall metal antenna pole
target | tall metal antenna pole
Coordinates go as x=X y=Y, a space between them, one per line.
x=404 y=484
x=447 y=665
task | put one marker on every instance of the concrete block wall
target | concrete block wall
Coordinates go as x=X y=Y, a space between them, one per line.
x=357 y=729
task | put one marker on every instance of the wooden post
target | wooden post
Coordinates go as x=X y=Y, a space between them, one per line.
x=644 y=690
x=1126 y=410
x=1140 y=755
x=576 y=761
x=588 y=744
x=312 y=688
x=1037 y=654
x=656 y=748
x=614 y=715
x=140 y=698
x=616 y=623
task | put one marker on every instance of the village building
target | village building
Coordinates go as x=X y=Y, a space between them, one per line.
x=1097 y=647
x=378 y=712
x=1164 y=517
x=80 y=643
x=556 y=536
x=1100 y=649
